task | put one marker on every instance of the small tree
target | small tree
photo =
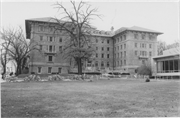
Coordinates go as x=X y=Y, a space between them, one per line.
x=76 y=25
x=144 y=69
x=17 y=47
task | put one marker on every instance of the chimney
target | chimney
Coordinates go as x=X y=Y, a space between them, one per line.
x=112 y=29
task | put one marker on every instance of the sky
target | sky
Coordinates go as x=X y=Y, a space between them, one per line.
x=158 y=15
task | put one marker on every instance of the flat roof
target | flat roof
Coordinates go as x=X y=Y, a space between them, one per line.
x=161 y=56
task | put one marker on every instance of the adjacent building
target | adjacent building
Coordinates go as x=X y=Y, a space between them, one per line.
x=123 y=50
x=168 y=64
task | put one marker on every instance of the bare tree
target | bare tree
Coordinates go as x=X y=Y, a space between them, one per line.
x=4 y=60
x=17 y=47
x=161 y=47
x=76 y=25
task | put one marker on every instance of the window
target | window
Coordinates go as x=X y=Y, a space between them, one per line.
x=102 y=64
x=118 y=55
x=136 y=36
x=121 y=38
x=124 y=37
x=135 y=52
x=50 y=38
x=118 y=39
x=40 y=47
x=96 y=55
x=114 y=40
x=96 y=48
x=102 y=48
x=59 y=70
x=124 y=53
x=150 y=36
x=96 y=40
x=121 y=54
x=41 y=28
x=108 y=41
x=124 y=62
x=124 y=46
x=107 y=48
x=49 y=69
x=51 y=29
x=118 y=63
x=150 y=46
x=150 y=54
x=118 y=47
x=102 y=41
x=143 y=45
x=60 y=40
x=50 y=58
x=108 y=64
x=60 y=48
x=121 y=62
x=50 y=48
x=114 y=48
x=107 y=55
x=135 y=45
x=145 y=53
x=41 y=38
x=121 y=46
x=143 y=36
x=39 y=70
x=102 y=55
x=96 y=64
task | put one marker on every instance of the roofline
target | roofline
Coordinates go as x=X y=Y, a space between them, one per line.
x=161 y=56
x=145 y=31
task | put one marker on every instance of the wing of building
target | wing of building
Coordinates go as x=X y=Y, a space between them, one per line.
x=168 y=64
x=122 y=50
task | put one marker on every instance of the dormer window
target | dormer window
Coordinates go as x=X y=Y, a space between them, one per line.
x=41 y=28
x=143 y=36
x=136 y=36
x=150 y=36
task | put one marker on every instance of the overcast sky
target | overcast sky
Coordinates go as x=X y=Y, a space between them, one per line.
x=159 y=16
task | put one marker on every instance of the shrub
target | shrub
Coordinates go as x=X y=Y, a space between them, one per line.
x=147 y=80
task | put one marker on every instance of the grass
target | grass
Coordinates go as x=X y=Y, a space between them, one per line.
x=103 y=98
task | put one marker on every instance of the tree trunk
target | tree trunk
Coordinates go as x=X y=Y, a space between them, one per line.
x=79 y=66
x=4 y=72
x=18 y=70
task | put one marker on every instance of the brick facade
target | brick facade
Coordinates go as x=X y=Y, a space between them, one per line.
x=122 y=50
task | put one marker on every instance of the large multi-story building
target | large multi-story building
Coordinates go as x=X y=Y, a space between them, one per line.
x=123 y=50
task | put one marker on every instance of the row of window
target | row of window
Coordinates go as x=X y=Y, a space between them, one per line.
x=51 y=39
x=120 y=63
x=50 y=48
x=102 y=41
x=143 y=36
x=43 y=28
x=39 y=70
x=142 y=53
x=142 y=45
x=102 y=64
x=120 y=38
x=102 y=48
x=118 y=47
x=102 y=55
x=120 y=54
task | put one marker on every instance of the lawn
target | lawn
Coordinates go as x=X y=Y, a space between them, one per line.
x=102 y=98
